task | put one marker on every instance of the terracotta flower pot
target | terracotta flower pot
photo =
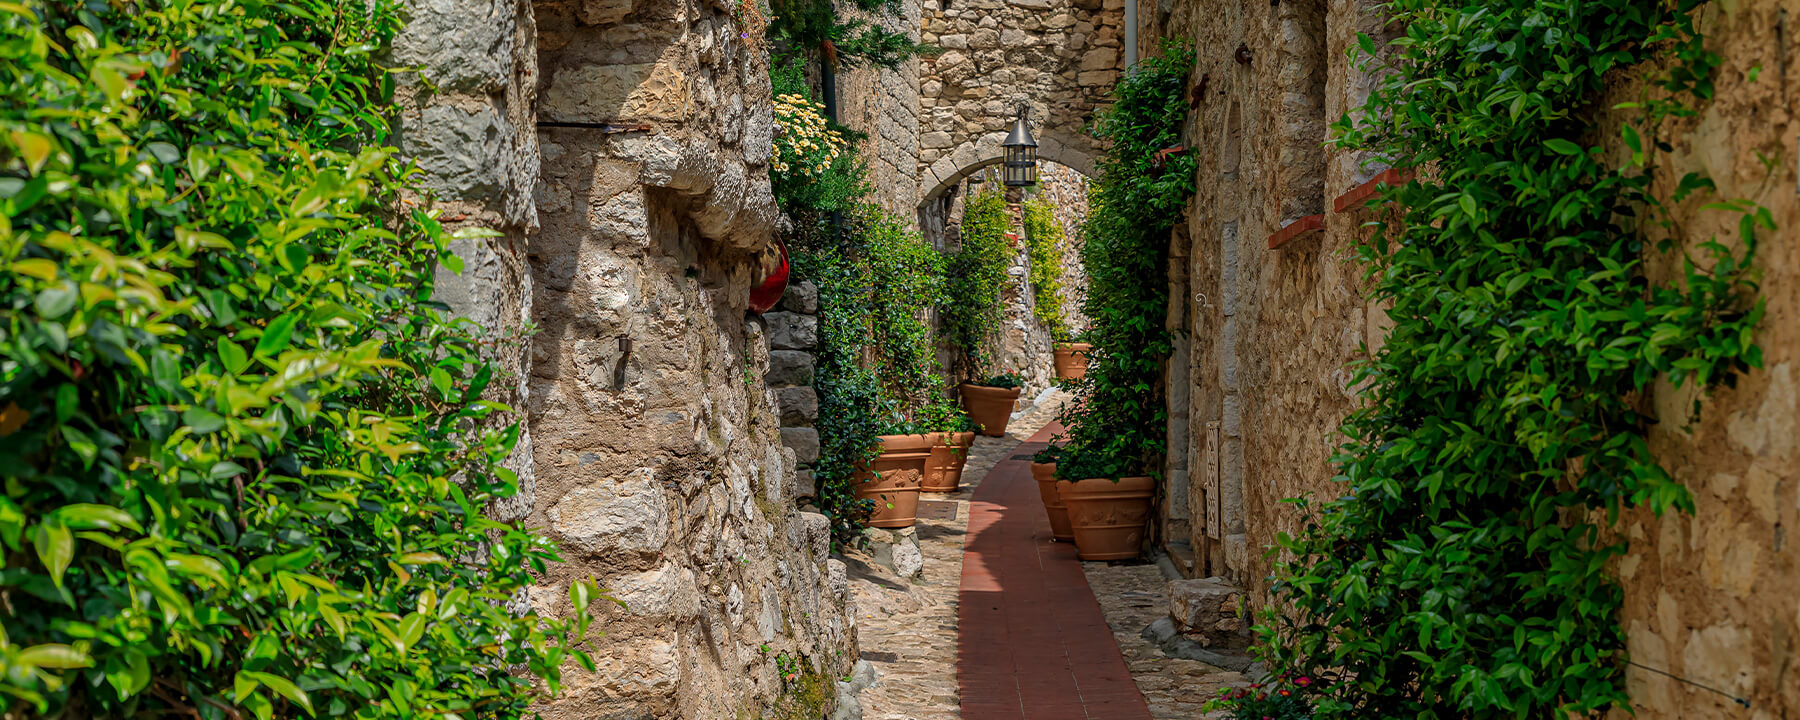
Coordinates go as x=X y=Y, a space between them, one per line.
x=1045 y=475
x=990 y=407
x=1072 y=360
x=943 y=469
x=892 y=480
x=1107 y=517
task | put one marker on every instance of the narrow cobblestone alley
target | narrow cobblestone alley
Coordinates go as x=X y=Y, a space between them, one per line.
x=1051 y=637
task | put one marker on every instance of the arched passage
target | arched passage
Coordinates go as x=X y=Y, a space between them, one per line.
x=972 y=156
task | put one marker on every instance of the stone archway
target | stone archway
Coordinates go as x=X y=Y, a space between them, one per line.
x=975 y=155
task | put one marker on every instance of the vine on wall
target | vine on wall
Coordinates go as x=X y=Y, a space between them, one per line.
x=1116 y=427
x=875 y=370
x=1464 y=572
x=234 y=429
x=977 y=275
x=1044 y=239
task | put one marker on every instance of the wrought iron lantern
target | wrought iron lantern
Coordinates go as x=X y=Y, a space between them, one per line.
x=1020 y=157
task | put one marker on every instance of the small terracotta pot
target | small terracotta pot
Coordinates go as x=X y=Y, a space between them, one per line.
x=1107 y=517
x=990 y=407
x=1072 y=360
x=1045 y=475
x=892 y=480
x=943 y=469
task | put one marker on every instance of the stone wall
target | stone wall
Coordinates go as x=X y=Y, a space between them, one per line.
x=1060 y=57
x=657 y=443
x=468 y=126
x=1259 y=384
x=793 y=334
x=883 y=105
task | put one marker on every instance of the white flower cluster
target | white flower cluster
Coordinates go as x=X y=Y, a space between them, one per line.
x=805 y=145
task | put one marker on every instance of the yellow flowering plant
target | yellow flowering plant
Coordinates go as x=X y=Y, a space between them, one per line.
x=805 y=144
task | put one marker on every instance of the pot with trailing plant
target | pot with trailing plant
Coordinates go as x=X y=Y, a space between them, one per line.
x=1072 y=359
x=951 y=439
x=1108 y=502
x=1043 y=470
x=990 y=402
x=892 y=478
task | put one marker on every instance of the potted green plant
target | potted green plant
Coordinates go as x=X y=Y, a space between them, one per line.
x=952 y=435
x=892 y=478
x=990 y=402
x=1043 y=470
x=1108 y=498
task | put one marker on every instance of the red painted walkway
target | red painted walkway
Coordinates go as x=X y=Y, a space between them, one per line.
x=1031 y=641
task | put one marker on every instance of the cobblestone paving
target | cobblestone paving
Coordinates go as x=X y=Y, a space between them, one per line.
x=1133 y=596
x=907 y=629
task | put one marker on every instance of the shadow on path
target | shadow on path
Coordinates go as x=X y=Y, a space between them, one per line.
x=1032 y=642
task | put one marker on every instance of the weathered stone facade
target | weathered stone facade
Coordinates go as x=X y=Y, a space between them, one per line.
x=1259 y=386
x=652 y=450
x=1060 y=57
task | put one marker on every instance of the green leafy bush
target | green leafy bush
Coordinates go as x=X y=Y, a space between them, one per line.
x=876 y=372
x=1044 y=239
x=1004 y=381
x=244 y=469
x=971 y=318
x=1115 y=429
x=816 y=169
x=1464 y=572
x=1281 y=698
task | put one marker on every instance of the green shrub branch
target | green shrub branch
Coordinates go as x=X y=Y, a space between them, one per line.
x=1464 y=572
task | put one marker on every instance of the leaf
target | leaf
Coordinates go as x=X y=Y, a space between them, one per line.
x=275 y=337
x=33 y=147
x=411 y=629
x=233 y=357
x=39 y=268
x=283 y=687
x=88 y=516
x=1562 y=147
x=201 y=421
x=56 y=656
x=164 y=152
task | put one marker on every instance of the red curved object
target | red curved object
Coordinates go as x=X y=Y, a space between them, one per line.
x=764 y=296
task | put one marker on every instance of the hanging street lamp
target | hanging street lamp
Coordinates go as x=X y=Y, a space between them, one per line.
x=1020 y=154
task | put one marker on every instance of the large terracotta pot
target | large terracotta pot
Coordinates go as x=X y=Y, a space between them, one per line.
x=892 y=480
x=1108 y=517
x=1072 y=360
x=1045 y=475
x=990 y=407
x=943 y=469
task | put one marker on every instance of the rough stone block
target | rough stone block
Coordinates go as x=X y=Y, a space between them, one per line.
x=801 y=297
x=804 y=441
x=789 y=367
x=1210 y=611
x=799 y=406
x=791 y=331
x=805 y=485
x=599 y=93
x=629 y=515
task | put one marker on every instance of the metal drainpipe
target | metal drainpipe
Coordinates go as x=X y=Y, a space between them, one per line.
x=1131 y=34
x=828 y=93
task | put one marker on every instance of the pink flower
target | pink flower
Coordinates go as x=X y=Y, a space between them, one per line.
x=1303 y=681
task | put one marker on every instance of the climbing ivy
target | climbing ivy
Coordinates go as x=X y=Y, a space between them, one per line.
x=1044 y=239
x=876 y=370
x=1464 y=573
x=244 y=453
x=1116 y=426
x=971 y=317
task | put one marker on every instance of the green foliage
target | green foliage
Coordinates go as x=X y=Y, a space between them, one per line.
x=977 y=273
x=1464 y=573
x=1116 y=427
x=1281 y=698
x=1044 y=239
x=875 y=373
x=813 y=29
x=245 y=456
x=1004 y=381
x=817 y=169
